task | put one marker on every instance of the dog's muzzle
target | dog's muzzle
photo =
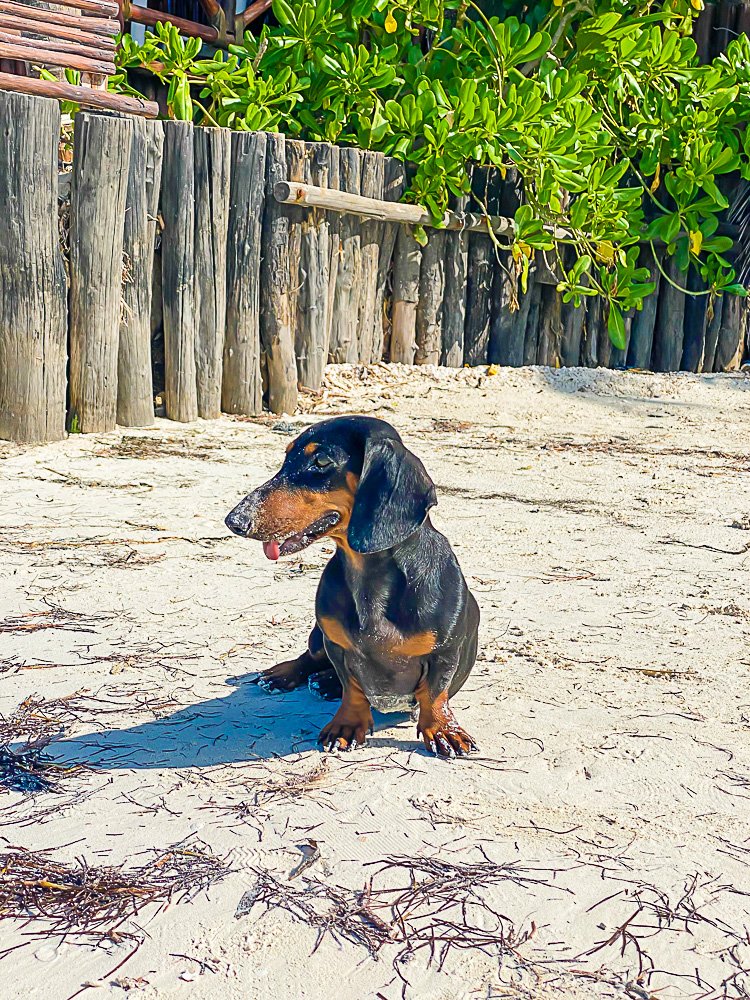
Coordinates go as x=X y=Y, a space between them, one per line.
x=240 y=520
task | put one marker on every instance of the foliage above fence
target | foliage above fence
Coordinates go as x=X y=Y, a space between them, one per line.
x=617 y=131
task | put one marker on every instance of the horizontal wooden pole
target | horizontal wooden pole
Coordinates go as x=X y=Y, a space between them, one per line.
x=254 y=11
x=33 y=52
x=79 y=40
x=99 y=99
x=143 y=15
x=91 y=25
x=106 y=8
x=292 y=193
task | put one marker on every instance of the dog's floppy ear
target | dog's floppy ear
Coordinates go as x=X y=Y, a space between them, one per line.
x=392 y=499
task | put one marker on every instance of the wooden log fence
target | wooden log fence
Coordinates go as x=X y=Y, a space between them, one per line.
x=276 y=257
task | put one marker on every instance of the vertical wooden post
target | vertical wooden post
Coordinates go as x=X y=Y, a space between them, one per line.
x=550 y=328
x=334 y=236
x=670 y=315
x=508 y=308
x=242 y=390
x=531 y=340
x=641 y=343
x=135 y=391
x=696 y=323
x=454 y=309
x=429 y=326
x=486 y=197
x=714 y=307
x=97 y=218
x=178 y=272
x=33 y=298
x=313 y=323
x=281 y=243
x=572 y=329
x=371 y=234
x=344 y=344
x=604 y=345
x=393 y=187
x=591 y=327
x=212 y=179
x=406 y=267
x=731 y=336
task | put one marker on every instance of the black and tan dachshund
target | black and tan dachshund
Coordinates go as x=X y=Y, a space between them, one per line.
x=396 y=625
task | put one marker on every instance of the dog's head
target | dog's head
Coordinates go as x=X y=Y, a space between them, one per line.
x=351 y=478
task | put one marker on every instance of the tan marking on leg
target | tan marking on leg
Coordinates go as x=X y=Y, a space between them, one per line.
x=335 y=632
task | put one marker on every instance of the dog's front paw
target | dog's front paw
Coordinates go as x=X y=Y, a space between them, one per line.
x=284 y=676
x=447 y=739
x=345 y=732
x=326 y=684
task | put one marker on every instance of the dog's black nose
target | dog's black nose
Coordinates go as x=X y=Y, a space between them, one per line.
x=236 y=522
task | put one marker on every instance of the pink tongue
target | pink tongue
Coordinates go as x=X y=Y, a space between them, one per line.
x=271 y=550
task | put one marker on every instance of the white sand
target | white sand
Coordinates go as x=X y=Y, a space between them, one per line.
x=602 y=520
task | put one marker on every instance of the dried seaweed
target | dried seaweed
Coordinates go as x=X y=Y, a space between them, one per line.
x=80 y=899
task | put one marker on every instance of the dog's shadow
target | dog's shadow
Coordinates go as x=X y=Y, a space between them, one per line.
x=246 y=725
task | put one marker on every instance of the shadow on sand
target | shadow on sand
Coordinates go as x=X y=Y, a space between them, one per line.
x=246 y=725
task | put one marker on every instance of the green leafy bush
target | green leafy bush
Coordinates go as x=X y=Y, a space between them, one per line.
x=617 y=131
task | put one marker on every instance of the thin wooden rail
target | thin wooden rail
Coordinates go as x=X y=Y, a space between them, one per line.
x=84 y=96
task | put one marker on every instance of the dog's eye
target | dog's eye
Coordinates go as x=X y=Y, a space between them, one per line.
x=322 y=462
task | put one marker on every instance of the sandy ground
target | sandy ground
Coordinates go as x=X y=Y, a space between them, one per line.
x=601 y=840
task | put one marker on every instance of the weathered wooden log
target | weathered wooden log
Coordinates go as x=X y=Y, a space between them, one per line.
x=618 y=355
x=13 y=48
x=714 y=307
x=101 y=8
x=604 y=347
x=344 y=343
x=280 y=240
x=695 y=324
x=102 y=45
x=641 y=343
x=508 y=317
x=97 y=218
x=213 y=153
x=313 y=322
x=573 y=318
x=242 y=390
x=731 y=336
x=33 y=297
x=592 y=324
x=178 y=272
x=454 y=300
x=394 y=181
x=531 y=341
x=670 y=315
x=407 y=260
x=334 y=237
x=486 y=187
x=371 y=234
x=135 y=391
x=429 y=323
x=550 y=328
x=108 y=26
x=84 y=96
